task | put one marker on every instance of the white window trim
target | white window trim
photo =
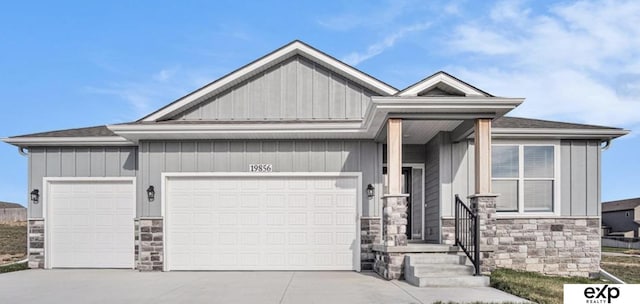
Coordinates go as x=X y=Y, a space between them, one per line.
x=556 y=205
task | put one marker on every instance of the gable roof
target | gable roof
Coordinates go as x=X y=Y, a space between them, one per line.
x=296 y=47
x=442 y=81
x=626 y=204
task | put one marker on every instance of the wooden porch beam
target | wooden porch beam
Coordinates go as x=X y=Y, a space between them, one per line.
x=463 y=130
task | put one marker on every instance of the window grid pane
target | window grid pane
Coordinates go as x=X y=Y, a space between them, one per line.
x=508 y=195
x=504 y=161
x=538 y=195
x=538 y=161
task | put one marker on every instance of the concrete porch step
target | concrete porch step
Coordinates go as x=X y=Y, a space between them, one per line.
x=435 y=258
x=449 y=281
x=438 y=270
x=441 y=270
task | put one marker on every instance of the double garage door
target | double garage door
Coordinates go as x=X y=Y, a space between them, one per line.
x=241 y=222
x=261 y=222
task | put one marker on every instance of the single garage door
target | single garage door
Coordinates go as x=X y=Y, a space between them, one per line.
x=266 y=222
x=90 y=224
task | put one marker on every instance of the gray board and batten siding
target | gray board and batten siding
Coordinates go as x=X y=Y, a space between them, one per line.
x=579 y=174
x=157 y=157
x=432 y=191
x=296 y=89
x=78 y=162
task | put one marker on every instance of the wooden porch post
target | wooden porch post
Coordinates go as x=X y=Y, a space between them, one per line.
x=483 y=155
x=394 y=155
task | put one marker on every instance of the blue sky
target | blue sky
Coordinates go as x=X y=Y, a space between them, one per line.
x=67 y=64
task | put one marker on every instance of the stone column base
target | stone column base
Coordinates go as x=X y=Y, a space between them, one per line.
x=486 y=208
x=394 y=220
x=35 y=228
x=150 y=244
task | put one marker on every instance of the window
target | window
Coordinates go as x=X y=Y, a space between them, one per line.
x=524 y=176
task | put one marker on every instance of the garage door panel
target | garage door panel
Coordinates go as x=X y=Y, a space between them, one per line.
x=90 y=224
x=270 y=223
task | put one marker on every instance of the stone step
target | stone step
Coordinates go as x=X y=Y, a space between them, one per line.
x=420 y=259
x=438 y=270
x=449 y=281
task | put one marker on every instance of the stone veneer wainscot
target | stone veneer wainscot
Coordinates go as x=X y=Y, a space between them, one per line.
x=151 y=244
x=36 y=243
x=370 y=234
x=557 y=246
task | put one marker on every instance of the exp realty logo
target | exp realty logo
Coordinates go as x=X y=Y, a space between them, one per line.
x=601 y=293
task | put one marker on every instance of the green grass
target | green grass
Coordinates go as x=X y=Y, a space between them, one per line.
x=13 y=242
x=534 y=286
x=14 y=267
x=625 y=268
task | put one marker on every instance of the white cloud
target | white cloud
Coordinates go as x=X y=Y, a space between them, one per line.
x=389 y=41
x=374 y=15
x=153 y=91
x=509 y=11
x=164 y=75
x=574 y=61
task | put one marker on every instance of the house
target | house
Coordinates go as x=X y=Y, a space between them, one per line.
x=297 y=161
x=622 y=217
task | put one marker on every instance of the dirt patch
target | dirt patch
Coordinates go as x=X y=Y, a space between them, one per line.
x=625 y=268
x=13 y=242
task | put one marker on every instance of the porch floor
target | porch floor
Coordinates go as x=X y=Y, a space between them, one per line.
x=417 y=248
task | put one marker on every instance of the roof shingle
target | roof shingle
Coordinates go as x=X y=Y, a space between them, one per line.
x=97 y=131
x=528 y=123
x=626 y=204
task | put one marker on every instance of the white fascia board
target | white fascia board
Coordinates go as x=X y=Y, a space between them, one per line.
x=556 y=133
x=265 y=62
x=471 y=105
x=446 y=79
x=69 y=141
x=241 y=131
x=379 y=110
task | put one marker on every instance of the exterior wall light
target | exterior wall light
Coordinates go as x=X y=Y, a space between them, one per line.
x=370 y=191
x=35 y=196
x=151 y=193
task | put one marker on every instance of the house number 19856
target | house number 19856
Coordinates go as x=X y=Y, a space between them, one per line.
x=260 y=167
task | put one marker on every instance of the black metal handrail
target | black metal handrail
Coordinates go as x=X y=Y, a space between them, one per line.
x=468 y=233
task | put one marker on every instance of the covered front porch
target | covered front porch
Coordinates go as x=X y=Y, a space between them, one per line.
x=427 y=163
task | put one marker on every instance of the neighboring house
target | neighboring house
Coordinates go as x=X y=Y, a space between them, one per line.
x=298 y=161
x=622 y=217
x=12 y=212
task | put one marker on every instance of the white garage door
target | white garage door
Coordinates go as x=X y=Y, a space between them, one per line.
x=262 y=223
x=90 y=224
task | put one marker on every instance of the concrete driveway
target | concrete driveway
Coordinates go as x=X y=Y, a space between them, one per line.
x=128 y=286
